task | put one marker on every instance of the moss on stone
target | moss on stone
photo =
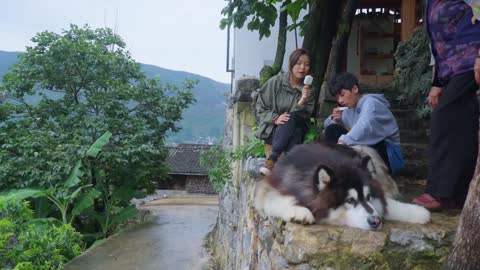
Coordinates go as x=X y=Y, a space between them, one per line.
x=347 y=260
x=387 y=259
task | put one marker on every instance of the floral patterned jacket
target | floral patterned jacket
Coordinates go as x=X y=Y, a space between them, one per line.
x=454 y=38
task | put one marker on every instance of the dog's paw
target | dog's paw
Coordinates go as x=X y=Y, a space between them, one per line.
x=421 y=215
x=301 y=215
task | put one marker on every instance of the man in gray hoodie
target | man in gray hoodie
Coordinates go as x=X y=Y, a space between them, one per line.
x=363 y=119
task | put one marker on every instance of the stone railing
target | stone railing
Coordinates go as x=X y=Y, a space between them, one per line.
x=242 y=239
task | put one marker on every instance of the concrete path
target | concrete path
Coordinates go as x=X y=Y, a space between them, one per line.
x=172 y=240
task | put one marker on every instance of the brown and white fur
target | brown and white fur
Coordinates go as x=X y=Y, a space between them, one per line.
x=334 y=184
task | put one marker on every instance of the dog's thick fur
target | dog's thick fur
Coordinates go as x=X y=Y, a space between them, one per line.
x=334 y=184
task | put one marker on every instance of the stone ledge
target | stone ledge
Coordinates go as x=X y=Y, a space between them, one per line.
x=396 y=246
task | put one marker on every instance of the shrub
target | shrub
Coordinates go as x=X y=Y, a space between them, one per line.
x=217 y=162
x=27 y=243
x=414 y=76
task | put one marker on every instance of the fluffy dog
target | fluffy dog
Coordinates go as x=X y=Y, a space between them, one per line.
x=334 y=184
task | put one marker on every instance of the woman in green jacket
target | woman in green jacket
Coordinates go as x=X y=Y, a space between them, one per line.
x=283 y=107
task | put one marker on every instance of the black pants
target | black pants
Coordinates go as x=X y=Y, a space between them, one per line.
x=453 y=144
x=334 y=131
x=286 y=136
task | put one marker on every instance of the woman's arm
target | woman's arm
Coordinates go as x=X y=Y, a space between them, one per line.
x=264 y=105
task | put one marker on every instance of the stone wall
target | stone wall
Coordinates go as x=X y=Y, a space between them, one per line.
x=242 y=239
x=199 y=184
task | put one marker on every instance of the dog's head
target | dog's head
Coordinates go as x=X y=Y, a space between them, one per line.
x=347 y=196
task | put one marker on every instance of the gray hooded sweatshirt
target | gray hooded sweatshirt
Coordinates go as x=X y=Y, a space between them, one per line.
x=369 y=122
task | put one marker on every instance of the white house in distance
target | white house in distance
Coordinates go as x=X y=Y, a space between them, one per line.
x=376 y=30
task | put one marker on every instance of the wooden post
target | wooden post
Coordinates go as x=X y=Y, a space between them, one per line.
x=408 y=17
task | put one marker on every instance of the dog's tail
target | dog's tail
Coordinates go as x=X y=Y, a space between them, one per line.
x=406 y=212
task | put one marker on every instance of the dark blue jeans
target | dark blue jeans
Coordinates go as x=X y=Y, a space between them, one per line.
x=285 y=137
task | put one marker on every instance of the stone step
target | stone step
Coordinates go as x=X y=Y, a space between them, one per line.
x=418 y=136
x=414 y=151
x=397 y=246
x=394 y=105
x=411 y=124
x=414 y=169
x=404 y=113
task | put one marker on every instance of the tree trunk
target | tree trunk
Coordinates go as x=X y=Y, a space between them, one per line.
x=282 y=38
x=320 y=29
x=269 y=71
x=341 y=40
x=466 y=247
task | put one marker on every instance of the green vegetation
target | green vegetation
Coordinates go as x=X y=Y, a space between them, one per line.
x=413 y=79
x=217 y=161
x=100 y=88
x=28 y=243
x=57 y=101
x=200 y=120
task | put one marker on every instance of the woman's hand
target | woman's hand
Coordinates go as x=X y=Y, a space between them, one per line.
x=282 y=119
x=434 y=96
x=306 y=93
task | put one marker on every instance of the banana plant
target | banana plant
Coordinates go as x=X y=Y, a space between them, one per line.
x=69 y=197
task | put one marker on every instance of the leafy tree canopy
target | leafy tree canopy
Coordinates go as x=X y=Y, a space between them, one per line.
x=262 y=14
x=88 y=84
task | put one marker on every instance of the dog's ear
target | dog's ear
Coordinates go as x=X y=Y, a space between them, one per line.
x=324 y=177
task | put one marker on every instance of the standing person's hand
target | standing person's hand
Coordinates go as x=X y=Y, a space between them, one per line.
x=434 y=96
x=282 y=119
x=337 y=114
x=476 y=68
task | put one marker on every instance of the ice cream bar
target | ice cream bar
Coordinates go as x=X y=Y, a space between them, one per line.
x=308 y=80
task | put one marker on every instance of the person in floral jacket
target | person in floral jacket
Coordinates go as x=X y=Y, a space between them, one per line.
x=455 y=42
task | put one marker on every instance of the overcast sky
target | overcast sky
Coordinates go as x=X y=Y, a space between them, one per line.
x=174 y=34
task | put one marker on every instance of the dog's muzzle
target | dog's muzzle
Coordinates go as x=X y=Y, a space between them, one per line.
x=374 y=221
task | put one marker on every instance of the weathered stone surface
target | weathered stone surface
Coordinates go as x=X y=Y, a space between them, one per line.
x=247 y=84
x=253 y=167
x=199 y=184
x=244 y=87
x=303 y=243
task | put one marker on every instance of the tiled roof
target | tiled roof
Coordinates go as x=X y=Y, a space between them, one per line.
x=185 y=159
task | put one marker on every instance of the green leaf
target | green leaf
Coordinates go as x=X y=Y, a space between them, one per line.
x=43 y=221
x=126 y=213
x=22 y=194
x=75 y=175
x=294 y=9
x=77 y=191
x=99 y=143
x=126 y=192
x=85 y=202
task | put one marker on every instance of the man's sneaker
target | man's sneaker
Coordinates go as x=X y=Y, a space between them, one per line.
x=267 y=167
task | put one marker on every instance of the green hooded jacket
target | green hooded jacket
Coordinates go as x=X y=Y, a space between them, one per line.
x=275 y=98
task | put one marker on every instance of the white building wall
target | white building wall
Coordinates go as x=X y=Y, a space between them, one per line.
x=250 y=54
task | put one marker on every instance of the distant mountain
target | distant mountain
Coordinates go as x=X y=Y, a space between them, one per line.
x=201 y=123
